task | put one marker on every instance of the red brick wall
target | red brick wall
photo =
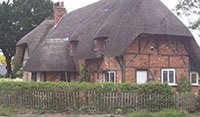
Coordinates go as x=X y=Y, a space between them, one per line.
x=152 y=54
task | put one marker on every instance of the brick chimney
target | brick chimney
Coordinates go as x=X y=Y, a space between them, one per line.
x=59 y=12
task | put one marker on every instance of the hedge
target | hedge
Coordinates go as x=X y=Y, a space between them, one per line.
x=149 y=88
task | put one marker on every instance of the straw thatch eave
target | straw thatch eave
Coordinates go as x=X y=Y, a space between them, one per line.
x=51 y=55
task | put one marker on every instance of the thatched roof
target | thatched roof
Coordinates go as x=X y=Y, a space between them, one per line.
x=51 y=55
x=32 y=39
x=119 y=20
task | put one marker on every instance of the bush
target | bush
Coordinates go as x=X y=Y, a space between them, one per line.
x=150 y=88
x=184 y=85
x=5 y=111
x=85 y=74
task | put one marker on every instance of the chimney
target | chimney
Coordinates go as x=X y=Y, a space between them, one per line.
x=100 y=44
x=73 y=45
x=59 y=12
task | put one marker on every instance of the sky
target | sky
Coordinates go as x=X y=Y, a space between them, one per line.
x=76 y=4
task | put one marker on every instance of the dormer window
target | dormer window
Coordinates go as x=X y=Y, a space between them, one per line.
x=100 y=44
x=73 y=47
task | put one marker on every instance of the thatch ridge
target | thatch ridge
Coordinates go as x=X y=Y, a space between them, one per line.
x=119 y=20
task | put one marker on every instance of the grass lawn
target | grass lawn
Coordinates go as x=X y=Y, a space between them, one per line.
x=12 y=112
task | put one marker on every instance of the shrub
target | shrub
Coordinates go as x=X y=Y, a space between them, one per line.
x=150 y=88
x=85 y=74
x=184 y=85
x=5 y=111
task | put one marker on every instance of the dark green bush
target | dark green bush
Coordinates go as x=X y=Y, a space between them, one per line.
x=184 y=85
x=150 y=88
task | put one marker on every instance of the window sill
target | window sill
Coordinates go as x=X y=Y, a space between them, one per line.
x=196 y=85
x=172 y=85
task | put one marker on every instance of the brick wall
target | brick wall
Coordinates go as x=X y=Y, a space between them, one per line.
x=152 y=54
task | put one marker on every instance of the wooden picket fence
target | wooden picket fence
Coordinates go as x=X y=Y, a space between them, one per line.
x=103 y=102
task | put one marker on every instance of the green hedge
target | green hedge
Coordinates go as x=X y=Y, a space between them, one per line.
x=148 y=88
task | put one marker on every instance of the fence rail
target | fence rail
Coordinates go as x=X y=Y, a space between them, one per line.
x=95 y=101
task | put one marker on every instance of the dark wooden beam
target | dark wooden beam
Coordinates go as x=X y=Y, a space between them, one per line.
x=139 y=43
x=157 y=42
x=171 y=47
x=146 y=43
x=121 y=61
x=132 y=60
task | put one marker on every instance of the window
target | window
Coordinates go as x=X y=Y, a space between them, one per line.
x=141 y=76
x=110 y=76
x=168 y=76
x=194 y=78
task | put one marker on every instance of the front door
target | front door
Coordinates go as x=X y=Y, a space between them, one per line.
x=141 y=77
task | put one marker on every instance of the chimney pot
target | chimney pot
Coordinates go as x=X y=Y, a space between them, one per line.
x=59 y=12
x=62 y=4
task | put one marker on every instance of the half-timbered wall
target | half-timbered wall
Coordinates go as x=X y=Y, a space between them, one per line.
x=151 y=53
x=156 y=53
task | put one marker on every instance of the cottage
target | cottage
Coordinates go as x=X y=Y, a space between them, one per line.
x=133 y=41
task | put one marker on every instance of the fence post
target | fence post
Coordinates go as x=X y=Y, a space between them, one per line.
x=177 y=100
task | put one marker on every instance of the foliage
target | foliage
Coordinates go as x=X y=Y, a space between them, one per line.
x=118 y=111
x=85 y=74
x=163 y=113
x=190 y=7
x=153 y=88
x=17 y=71
x=18 y=17
x=5 y=111
x=2 y=60
x=184 y=85
x=198 y=104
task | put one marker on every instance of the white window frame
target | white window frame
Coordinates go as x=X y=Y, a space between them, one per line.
x=197 y=78
x=109 y=72
x=168 y=70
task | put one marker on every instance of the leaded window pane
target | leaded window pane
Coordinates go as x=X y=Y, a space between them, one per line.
x=112 y=77
x=194 y=78
x=165 y=76
x=171 y=77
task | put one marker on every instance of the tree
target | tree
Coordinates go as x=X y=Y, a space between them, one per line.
x=18 y=17
x=190 y=7
x=85 y=74
x=184 y=85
